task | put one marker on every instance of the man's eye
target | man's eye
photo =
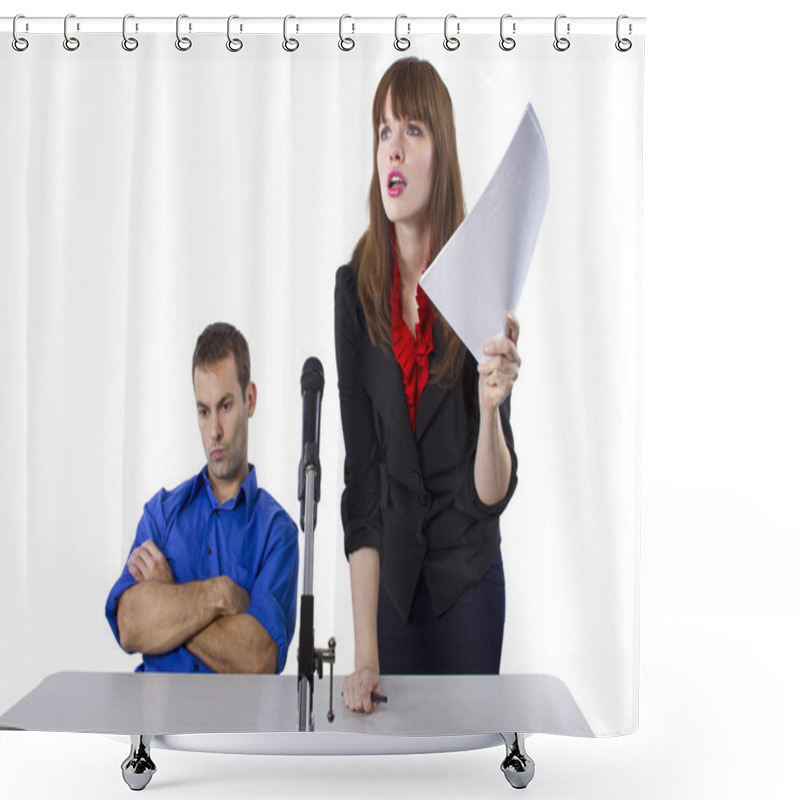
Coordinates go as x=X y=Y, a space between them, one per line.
x=202 y=412
x=227 y=406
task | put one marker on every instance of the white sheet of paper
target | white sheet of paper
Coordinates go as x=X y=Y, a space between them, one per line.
x=480 y=272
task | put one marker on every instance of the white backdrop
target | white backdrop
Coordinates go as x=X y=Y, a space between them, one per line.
x=148 y=193
x=720 y=599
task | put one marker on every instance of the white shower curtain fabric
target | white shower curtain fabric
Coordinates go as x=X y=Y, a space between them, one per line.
x=145 y=194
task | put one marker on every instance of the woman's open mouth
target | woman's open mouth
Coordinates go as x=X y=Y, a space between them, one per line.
x=395 y=183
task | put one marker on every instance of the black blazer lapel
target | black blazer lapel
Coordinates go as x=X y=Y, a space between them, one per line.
x=385 y=385
x=432 y=395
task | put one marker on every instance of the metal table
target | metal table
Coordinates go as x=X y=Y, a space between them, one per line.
x=259 y=714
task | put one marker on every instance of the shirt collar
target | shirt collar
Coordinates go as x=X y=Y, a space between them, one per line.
x=247 y=493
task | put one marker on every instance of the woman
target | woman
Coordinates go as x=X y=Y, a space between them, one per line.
x=429 y=463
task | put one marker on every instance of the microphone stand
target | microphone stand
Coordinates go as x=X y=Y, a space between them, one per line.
x=310 y=659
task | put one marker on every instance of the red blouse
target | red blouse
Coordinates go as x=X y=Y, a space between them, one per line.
x=412 y=353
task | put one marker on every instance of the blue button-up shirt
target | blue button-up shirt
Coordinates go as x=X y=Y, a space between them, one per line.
x=249 y=538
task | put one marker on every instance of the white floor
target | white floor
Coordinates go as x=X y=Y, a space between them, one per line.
x=719 y=707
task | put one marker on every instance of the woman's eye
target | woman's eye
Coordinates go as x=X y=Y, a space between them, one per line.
x=414 y=130
x=385 y=133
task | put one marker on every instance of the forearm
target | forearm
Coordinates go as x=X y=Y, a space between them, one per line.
x=155 y=617
x=365 y=575
x=492 y=459
x=237 y=643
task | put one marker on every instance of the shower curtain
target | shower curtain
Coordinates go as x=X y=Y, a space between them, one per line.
x=148 y=191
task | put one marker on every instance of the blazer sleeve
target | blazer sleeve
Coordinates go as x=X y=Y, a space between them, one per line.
x=361 y=514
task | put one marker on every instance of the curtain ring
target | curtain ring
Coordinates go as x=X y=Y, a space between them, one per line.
x=289 y=44
x=70 y=42
x=623 y=45
x=506 y=42
x=561 y=43
x=183 y=43
x=234 y=45
x=345 y=42
x=451 y=42
x=401 y=42
x=129 y=43
x=18 y=42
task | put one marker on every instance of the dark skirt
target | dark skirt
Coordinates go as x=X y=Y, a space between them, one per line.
x=466 y=640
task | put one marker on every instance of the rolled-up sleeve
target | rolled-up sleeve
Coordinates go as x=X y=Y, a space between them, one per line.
x=469 y=492
x=273 y=597
x=150 y=524
x=361 y=515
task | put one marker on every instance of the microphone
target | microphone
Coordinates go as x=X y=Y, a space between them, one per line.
x=312 y=383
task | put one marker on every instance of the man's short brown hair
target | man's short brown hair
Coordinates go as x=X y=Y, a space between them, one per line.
x=218 y=341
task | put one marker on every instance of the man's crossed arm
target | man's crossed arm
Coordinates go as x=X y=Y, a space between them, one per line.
x=208 y=617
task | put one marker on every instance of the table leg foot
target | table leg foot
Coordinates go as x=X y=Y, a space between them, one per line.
x=138 y=768
x=517 y=766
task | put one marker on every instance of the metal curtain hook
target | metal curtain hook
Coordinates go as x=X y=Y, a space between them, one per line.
x=289 y=44
x=345 y=42
x=561 y=43
x=506 y=42
x=451 y=42
x=70 y=42
x=129 y=43
x=623 y=45
x=18 y=42
x=401 y=42
x=183 y=43
x=234 y=45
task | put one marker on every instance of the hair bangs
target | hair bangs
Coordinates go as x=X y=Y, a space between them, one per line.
x=412 y=90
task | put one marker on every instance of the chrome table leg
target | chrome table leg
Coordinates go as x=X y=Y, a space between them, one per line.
x=517 y=766
x=138 y=768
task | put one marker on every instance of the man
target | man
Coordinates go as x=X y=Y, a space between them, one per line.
x=210 y=584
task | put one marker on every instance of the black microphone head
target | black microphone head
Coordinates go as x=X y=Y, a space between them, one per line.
x=312 y=378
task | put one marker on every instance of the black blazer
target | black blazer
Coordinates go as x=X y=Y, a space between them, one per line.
x=412 y=494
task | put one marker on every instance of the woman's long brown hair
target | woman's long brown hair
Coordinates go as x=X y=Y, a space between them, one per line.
x=417 y=93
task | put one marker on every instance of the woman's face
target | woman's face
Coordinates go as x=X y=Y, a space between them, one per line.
x=405 y=166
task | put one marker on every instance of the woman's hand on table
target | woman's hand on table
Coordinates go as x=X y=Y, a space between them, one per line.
x=358 y=689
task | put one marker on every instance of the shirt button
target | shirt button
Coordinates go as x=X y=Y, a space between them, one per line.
x=196 y=667
x=208 y=551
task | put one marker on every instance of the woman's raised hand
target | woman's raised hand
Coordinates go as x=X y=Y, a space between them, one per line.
x=500 y=368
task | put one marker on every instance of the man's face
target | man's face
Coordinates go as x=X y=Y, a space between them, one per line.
x=222 y=414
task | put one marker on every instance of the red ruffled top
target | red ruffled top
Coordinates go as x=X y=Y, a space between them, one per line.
x=412 y=352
